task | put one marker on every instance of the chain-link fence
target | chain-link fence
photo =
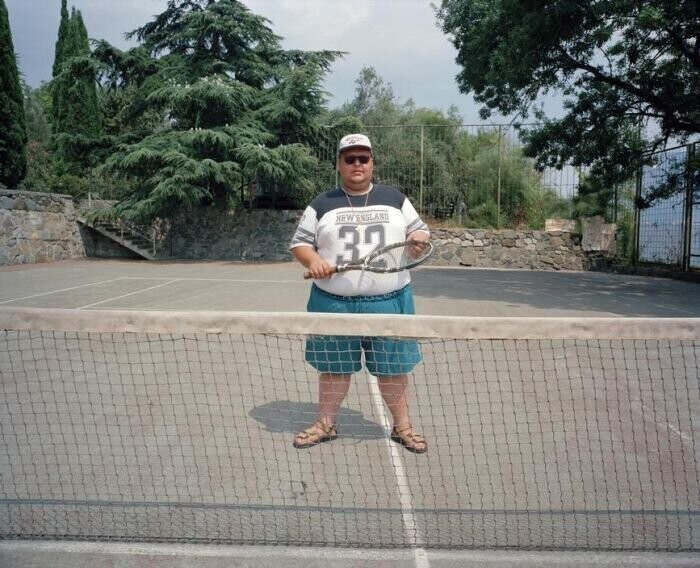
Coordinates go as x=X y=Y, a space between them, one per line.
x=477 y=176
x=472 y=176
x=668 y=220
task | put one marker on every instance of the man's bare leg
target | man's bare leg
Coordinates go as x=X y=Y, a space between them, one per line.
x=332 y=390
x=393 y=389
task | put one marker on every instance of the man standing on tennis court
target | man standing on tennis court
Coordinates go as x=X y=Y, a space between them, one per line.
x=340 y=226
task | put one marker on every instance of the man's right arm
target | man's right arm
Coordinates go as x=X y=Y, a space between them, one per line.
x=312 y=261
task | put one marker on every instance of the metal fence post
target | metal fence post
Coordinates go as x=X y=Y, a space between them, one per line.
x=637 y=216
x=334 y=153
x=688 y=203
x=498 y=188
x=420 y=193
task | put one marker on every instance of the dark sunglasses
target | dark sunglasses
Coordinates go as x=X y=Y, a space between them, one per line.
x=350 y=160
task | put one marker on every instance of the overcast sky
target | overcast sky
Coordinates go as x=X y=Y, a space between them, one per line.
x=399 y=38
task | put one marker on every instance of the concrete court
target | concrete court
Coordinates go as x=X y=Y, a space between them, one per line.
x=126 y=555
x=235 y=286
x=100 y=285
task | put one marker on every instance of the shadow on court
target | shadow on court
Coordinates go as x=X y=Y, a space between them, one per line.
x=284 y=416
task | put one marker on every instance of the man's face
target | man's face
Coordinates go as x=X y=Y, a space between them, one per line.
x=356 y=175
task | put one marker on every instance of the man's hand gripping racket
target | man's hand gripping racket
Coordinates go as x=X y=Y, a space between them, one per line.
x=391 y=258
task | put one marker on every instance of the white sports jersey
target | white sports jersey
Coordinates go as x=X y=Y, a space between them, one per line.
x=343 y=228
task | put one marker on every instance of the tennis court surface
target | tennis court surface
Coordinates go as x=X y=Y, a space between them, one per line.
x=156 y=403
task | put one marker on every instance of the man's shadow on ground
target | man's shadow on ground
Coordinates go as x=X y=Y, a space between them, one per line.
x=284 y=416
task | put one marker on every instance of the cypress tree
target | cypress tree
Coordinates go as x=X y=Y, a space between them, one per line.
x=76 y=105
x=91 y=115
x=82 y=42
x=13 y=132
x=59 y=59
x=59 y=55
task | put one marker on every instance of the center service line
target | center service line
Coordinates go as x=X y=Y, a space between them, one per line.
x=127 y=295
x=405 y=498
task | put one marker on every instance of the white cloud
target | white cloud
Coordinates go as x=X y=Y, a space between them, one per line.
x=314 y=24
x=399 y=38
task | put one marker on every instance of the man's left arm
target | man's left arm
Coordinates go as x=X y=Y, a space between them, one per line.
x=416 y=229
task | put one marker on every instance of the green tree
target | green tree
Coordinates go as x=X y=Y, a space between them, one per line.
x=374 y=102
x=449 y=173
x=61 y=40
x=60 y=56
x=13 y=133
x=229 y=109
x=76 y=145
x=36 y=103
x=623 y=67
x=76 y=110
x=39 y=170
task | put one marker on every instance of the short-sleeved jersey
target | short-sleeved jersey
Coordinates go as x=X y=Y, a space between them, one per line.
x=343 y=228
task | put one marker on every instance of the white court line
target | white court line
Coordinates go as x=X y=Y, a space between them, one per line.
x=685 y=438
x=126 y=295
x=53 y=554
x=415 y=539
x=61 y=290
x=247 y=280
x=260 y=552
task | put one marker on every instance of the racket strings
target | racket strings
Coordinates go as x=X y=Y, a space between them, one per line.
x=399 y=257
x=393 y=258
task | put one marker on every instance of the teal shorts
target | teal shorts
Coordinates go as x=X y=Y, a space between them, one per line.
x=342 y=355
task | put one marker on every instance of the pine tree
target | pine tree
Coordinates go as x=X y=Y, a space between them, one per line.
x=13 y=133
x=235 y=108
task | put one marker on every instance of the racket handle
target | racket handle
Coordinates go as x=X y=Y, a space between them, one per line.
x=307 y=274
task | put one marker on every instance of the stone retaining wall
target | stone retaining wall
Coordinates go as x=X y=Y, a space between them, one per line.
x=38 y=227
x=42 y=227
x=259 y=234
x=536 y=250
x=264 y=235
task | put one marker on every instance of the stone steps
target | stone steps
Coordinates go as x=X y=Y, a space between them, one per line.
x=123 y=236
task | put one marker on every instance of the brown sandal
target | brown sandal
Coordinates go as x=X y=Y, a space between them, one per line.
x=408 y=439
x=317 y=433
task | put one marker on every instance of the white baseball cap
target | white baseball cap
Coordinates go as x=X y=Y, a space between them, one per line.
x=354 y=141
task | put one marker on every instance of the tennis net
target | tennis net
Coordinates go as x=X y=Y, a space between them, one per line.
x=543 y=433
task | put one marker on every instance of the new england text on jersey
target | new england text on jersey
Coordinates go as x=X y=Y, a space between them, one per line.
x=363 y=218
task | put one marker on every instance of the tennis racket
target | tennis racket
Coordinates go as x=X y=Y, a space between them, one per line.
x=391 y=258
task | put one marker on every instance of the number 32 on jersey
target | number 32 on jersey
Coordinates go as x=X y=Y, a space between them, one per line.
x=359 y=241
